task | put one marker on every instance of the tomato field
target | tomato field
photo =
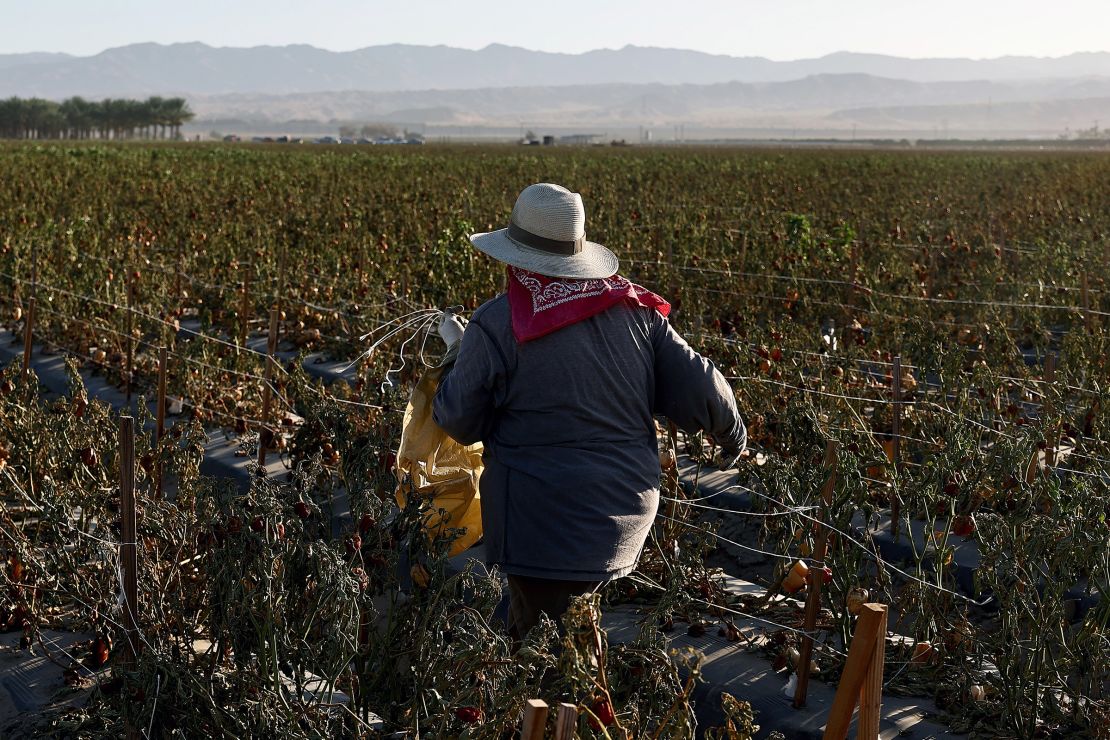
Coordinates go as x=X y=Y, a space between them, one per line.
x=924 y=332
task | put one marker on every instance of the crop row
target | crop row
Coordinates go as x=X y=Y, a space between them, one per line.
x=806 y=276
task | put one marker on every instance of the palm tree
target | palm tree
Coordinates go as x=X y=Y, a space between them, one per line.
x=177 y=112
x=155 y=109
x=78 y=113
x=77 y=118
x=100 y=119
x=11 y=118
x=42 y=118
x=110 y=118
x=136 y=115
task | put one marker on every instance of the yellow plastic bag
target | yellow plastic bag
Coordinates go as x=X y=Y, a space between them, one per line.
x=438 y=469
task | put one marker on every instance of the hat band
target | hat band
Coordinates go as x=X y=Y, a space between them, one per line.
x=542 y=243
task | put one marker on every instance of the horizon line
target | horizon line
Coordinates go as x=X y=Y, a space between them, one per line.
x=559 y=53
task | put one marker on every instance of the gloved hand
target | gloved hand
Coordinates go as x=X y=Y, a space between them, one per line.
x=451 y=328
x=728 y=459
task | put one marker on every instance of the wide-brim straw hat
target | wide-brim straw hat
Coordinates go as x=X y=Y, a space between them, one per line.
x=547 y=234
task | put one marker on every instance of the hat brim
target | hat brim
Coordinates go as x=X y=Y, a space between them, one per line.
x=593 y=262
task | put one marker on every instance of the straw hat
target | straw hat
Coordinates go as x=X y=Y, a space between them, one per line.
x=547 y=234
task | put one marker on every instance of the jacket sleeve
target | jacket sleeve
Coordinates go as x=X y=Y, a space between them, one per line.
x=691 y=392
x=469 y=391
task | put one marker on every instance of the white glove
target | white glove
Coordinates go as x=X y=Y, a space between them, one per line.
x=451 y=328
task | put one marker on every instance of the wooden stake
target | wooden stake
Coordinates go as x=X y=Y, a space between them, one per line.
x=566 y=721
x=1046 y=410
x=871 y=697
x=244 y=305
x=127 y=554
x=180 y=272
x=816 y=576
x=267 y=392
x=896 y=426
x=535 y=718
x=1086 y=296
x=34 y=273
x=28 y=334
x=280 y=288
x=868 y=637
x=848 y=293
x=930 y=272
x=127 y=547
x=160 y=427
x=130 y=339
x=896 y=443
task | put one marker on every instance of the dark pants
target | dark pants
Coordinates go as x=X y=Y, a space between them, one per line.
x=529 y=597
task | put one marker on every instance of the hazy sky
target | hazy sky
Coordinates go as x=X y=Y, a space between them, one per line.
x=779 y=29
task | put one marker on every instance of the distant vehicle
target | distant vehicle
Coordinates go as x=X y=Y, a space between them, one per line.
x=296 y=140
x=232 y=138
x=327 y=140
x=263 y=139
x=415 y=140
x=346 y=140
x=282 y=139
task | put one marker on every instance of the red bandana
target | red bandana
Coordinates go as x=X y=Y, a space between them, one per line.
x=541 y=304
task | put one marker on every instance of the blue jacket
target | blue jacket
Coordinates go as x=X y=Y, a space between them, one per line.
x=571 y=481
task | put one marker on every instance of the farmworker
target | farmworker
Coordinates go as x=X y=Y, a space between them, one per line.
x=559 y=378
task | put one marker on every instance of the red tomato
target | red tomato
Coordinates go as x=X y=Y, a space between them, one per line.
x=603 y=711
x=89 y=457
x=963 y=526
x=468 y=715
x=101 y=650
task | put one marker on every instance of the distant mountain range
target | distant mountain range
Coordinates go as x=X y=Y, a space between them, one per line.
x=199 y=69
x=503 y=86
x=38 y=57
x=649 y=103
x=836 y=101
